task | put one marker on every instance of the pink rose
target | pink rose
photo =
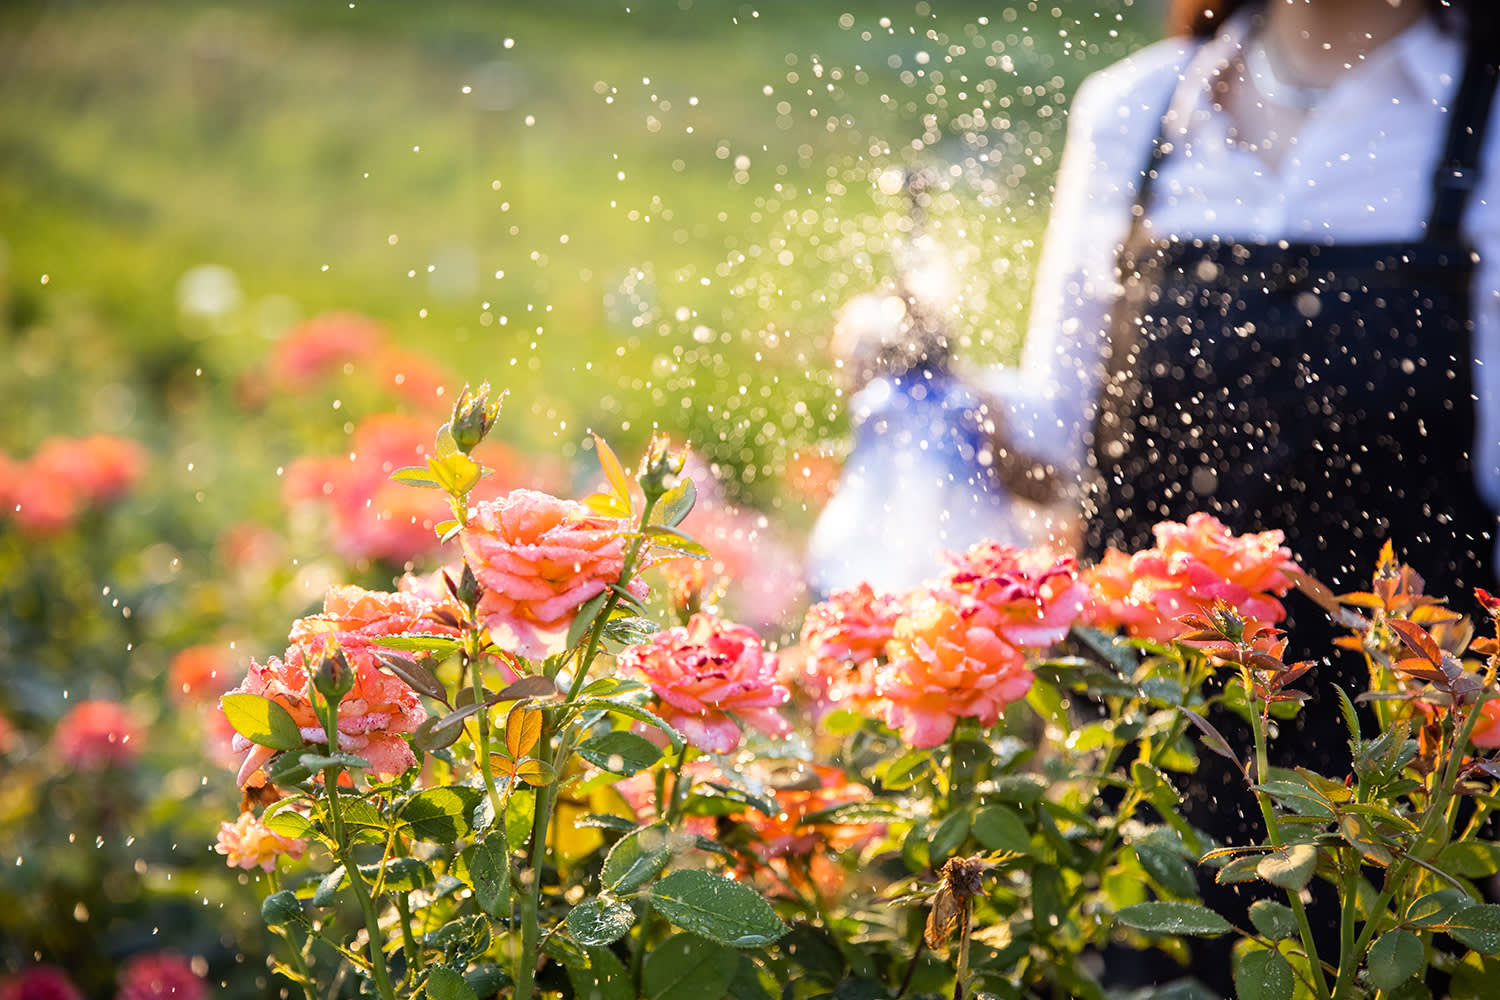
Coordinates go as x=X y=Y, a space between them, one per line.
x=97 y=734
x=842 y=637
x=160 y=975
x=540 y=559
x=248 y=843
x=356 y=618
x=705 y=671
x=1036 y=593
x=372 y=716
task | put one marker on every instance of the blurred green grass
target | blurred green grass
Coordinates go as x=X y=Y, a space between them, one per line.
x=328 y=155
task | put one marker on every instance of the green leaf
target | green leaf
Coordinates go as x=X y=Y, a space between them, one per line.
x=1238 y=870
x=1174 y=918
x=329 y=885
x=685 y=967
x=1395 y=957
x=1360 y=834
x=675 y=504
x=717 y=908
x=857 y=813
x=598 y=922
x=1000 y=828
x=949 y=836
x=639 y=714
x=280 y=909
x=445 y=984
x=440 y=646
x=1477 y=927
x=605 y=978
x=620 y=752
x=489 y=871
x=673 y=540
x=1274 y=920
x=637 y=858
x=261 y=721
x=323 y=761
x=416 y=475
x=1022 y=789
x=1470 y=858
x=401 y=874
x=1290 y=868
x=584 y=619
x=1168 y=868
x=1263 y=975
x=1435 y=907
x=290 y=823
x=440 y=815
x=908 y=769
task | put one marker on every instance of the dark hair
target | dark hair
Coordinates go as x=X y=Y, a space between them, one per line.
x=1201 y=18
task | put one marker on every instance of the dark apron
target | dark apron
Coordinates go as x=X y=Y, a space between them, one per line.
x=1322 y=390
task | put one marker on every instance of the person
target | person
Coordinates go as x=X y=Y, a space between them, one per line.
x=1270 y=290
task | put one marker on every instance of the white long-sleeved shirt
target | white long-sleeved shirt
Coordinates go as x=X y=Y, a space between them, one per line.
x=1360 y=170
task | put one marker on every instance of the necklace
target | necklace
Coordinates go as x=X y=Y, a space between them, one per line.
x=1261 y=69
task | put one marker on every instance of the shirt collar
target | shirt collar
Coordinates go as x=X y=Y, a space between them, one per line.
x=1429 y=57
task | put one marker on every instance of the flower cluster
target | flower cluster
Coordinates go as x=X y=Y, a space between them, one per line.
x=1191 y=567
x=65 y=477
x=955 y=648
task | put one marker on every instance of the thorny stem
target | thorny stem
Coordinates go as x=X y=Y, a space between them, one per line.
x=330 y=717
x=1427 y=837
x=1259 y=718
x=546 y=796
x=596 y=634
x=483 y=749
x=408 y=940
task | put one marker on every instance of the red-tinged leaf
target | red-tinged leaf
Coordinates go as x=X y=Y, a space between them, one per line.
x=523 y=728
x=1317 y=591
x=1484 y=647
x=1362 y=599
x=1490 y=602
x=1421 y=669
x=613 y=471
x=1417 y=640
x=533 y=686
x=503 y=765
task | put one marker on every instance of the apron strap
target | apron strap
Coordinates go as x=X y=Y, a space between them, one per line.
x=1458 y=169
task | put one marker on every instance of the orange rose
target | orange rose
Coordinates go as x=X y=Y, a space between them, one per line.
x=540 y=559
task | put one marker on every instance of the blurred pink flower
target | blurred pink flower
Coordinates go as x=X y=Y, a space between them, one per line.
x=97 y=734
x=67 y=475
x=1486 y=734
x=40 y=982
x=160 y=975
x=200 y=672
x=539 y=559
x=319 y=347
x=248 y=843
x=1192 y=566
x=7 y=735
x=413 y=376
x=842 y=637
x=948 y=662
x=372 y=516
x=1036 y=593
x=372 y=716
x=706 y=671
x=356 y=617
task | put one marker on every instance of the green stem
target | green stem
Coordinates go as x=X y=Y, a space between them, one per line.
x=482 y=751
x=299 y=963
x=596 y=634
x=525 y=975
x=1273 y=834
x=408 y=940
x=357 y=883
